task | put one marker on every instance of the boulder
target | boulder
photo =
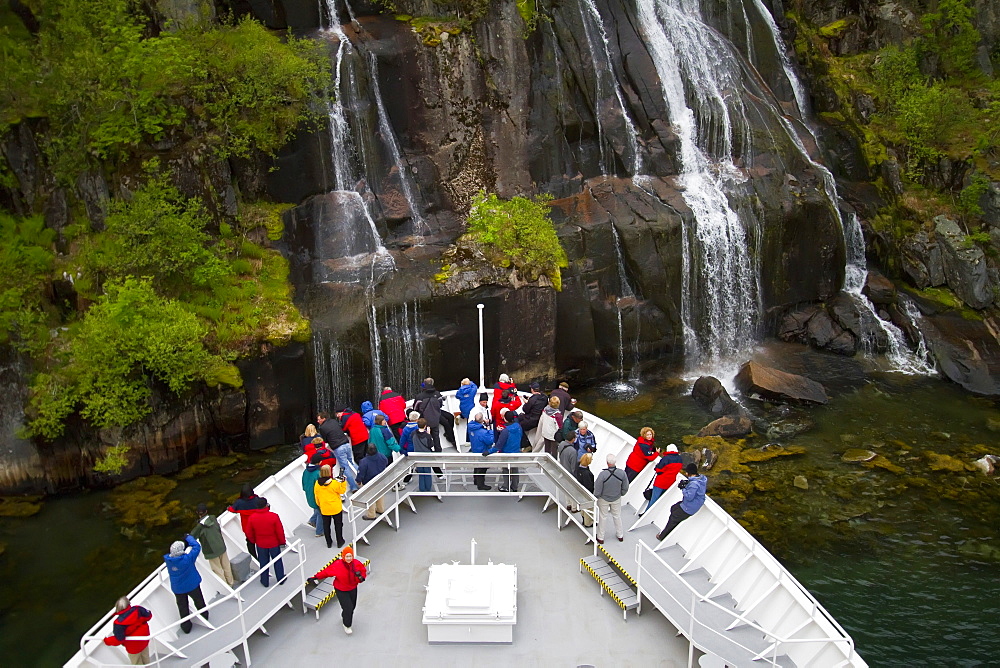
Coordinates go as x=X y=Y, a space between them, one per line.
x=966 y=350
x=879 y=289
x=757 y=380
x=713 y=397
x=964 y=264
x=728 y=426
x=921 y=260
x=858 y=455
x=821 y=329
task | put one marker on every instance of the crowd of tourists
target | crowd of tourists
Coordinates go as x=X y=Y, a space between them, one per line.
x=362 y=444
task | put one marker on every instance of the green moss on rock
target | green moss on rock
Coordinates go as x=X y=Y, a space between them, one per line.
x=143 y=502
x=20 y=506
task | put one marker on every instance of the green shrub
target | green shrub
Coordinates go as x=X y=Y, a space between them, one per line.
x=969 y=198
x=26 y=265
x=108 y=89
x=159 y=234
x=518 y=233
x=129 y=339
x=950 y=34
x=113 y=461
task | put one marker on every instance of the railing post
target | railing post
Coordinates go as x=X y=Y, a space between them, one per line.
x=482 y=357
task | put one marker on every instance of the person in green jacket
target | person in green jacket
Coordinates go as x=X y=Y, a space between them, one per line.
x=213 y=545
x=309 y=477
x=381 y=437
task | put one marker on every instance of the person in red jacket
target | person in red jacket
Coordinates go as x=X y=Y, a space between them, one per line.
x=643 y=453
x=347 y=574
x=354 y=426
x=667 y=468
x=508 y=400
x=393 y=404
x=246 y=505
x=268 y=535
x=132 y=620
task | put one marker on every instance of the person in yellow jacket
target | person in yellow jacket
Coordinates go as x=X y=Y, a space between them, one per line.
x=328 y=490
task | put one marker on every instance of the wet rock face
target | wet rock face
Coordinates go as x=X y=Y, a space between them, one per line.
x=758 y=381
x=966 y=351
x=728 y=426
x=964 y=264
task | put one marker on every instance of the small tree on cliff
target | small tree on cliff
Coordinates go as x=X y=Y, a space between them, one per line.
x=513 y=233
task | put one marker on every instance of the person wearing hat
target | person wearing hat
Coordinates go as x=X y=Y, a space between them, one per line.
x=480 y=441
x=309 y=477
x=530 y=414
x=347 y=573
x=131 y=620
x=483 y=409
x=213 y=545
x=693 y=490
x=566 y=402
x=185 y=580
x=245 y=506
x=642 y=453
x=667 y=468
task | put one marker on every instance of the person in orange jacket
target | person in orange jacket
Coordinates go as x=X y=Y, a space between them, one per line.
x=347 y=573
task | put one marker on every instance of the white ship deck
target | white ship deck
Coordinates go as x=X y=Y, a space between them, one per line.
x=562 y=618
x=710 y=579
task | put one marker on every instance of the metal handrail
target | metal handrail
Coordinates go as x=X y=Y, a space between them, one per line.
x=642 y=548
x=296 y=546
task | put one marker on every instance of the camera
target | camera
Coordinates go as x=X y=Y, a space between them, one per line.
x=359 y=575
x=683 y=483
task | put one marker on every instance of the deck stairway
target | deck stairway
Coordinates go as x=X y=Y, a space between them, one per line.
x=619 y=584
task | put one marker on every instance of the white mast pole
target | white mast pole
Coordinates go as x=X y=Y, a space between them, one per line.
x=482 y=358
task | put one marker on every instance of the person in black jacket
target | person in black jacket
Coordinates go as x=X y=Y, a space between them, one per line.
x=532 y=411
x=429 y=403
x=330 y=431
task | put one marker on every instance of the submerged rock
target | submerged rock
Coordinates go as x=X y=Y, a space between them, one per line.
x=858 y=455
x=939 y=462
x=143 y=502
x=988 y=464
x=19 y=506
x=801 y=482
x=710 y=394
x=761 y=382
x=728 y=426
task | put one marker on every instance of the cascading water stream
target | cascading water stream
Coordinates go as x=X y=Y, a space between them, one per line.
x=720 y=280
x=607 y=86
x=898 y=353
x=627 y=297
x=389 y=137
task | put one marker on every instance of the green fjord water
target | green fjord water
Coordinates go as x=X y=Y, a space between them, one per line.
x=906 y=561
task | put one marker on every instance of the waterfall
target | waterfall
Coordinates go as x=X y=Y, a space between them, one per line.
x=720 y=281
x=606 y=86
x=897 y=353
x=405 y=357
x=798 y=90
x=389 y=137
x=333 y=371
x=627 y=298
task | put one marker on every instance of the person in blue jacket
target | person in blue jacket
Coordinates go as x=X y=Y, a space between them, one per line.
x=466 y=396
x=508 y=442
x=185 y=580
x=368 y=413
x=480 y=441
x=693 y=490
